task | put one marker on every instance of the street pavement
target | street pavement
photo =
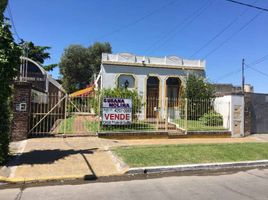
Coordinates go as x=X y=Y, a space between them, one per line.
x=251 y=184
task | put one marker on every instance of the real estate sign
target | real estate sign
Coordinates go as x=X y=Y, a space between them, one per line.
x=116 y=111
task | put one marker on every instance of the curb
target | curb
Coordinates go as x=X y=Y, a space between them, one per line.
x=47 y=179
x=139 y=171
x=198 y=167
x=121 y=166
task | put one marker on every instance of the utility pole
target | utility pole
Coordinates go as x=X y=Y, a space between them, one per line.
x=243 y=76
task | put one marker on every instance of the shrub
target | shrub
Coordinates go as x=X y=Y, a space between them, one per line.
x=9 y=67
x=118 y=93
x=196 y=108
x=212 y=119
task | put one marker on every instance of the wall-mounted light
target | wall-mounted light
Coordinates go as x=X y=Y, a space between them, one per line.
x=126 y=84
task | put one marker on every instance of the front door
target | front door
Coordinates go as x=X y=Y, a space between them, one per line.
x=152 y=97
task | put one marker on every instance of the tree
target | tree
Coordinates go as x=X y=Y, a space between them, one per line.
x=37 y=53
x=198 y=88
x=75 y=67
x=9 y=65
x=95 y=52
x=200 y=95
x=78 y=64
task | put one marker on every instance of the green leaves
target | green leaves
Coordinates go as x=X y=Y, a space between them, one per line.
x=200 y=96
x=3 y=5
x=212 y=119
x=198 y=88
x=79 y=64
x=50 y=67
x=9 y=66
x=37 y=53
x=95 y=51
x=125 y=94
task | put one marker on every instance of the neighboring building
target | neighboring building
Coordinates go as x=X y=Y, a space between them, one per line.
x=227 y=89
x=256 y=113
x=35 y=94
x=42 y=83
x=154 y=77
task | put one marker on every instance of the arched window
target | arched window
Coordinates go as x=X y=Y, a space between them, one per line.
x=126 y=81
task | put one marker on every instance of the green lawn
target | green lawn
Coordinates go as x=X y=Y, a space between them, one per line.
x=140 y=156
x=195 y=125
x=92 y=126
x=69 y=125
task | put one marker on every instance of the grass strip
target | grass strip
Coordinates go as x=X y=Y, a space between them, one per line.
x=161 y=155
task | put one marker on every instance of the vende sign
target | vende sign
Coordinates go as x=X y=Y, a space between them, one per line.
x=116 y=111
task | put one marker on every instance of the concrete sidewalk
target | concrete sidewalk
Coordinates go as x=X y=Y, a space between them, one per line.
x=60 y=158
x=79 y=157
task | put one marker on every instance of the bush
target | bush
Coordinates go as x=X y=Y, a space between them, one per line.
x=9 y=67
x=196 y=108
x=4 y=130
x=212 y=119
x=118 y=93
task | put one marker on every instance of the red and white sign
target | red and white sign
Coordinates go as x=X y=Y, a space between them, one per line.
x=116 y=111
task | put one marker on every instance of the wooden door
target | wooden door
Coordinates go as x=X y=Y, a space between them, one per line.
x=152 y=101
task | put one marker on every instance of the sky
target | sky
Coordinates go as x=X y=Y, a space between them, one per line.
x=218 y=31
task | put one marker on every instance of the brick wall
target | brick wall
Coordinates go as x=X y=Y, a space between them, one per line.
x=21 y=110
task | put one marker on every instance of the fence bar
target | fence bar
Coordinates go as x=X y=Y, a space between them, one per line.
x=166 y=113
x=65 y=113
x=186 y=116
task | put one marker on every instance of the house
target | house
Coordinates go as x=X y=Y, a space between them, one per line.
x=155 y=78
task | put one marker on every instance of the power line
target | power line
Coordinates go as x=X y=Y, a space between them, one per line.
x=256 y=62
x=183 y=24
x=260 y=60
x=12 y=22
x=256 y=70
x=234 y=34
x=220 y=32
x=138 y=20
x=249 y=5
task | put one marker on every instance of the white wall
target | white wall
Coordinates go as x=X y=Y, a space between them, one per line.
x=231 y=107
x=110 y=72
x=222 y=106
x=167 y=60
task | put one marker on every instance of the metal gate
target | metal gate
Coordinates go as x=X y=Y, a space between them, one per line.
x=58 y=114
x=258 y=109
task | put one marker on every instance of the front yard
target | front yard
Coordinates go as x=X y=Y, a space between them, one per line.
x=75 y=124
x=140 y=156
x=196 y=125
